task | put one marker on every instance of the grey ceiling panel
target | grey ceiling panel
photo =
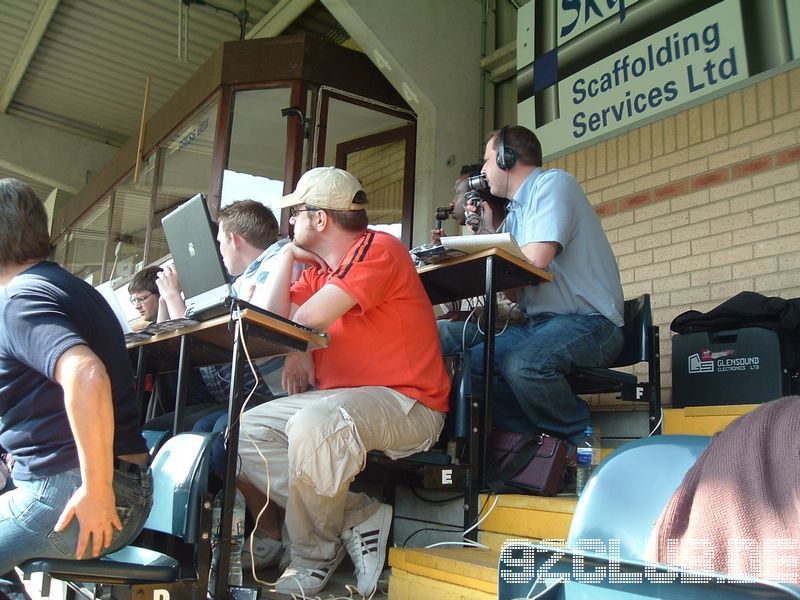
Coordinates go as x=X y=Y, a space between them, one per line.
x=88 y=73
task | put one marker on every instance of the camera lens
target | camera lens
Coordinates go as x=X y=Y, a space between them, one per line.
x=477 y=182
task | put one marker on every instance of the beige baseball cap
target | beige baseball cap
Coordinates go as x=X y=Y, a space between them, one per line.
x=324 y=187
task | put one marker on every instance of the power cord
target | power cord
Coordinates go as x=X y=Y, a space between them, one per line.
x=251 y=537
x=658 y=424
x=464 y=541
x=416 y=493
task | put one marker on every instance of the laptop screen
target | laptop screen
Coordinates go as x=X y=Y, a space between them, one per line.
x=110 y=295
x=194 y=249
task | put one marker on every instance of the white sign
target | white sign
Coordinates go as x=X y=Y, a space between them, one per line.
x=682 y=63
x=577 y=16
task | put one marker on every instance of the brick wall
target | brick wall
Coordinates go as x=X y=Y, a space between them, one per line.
x=380 y=171
x=703 y=204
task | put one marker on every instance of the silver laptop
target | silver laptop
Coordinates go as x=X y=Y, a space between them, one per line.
x=206 y=288
x=194 y=249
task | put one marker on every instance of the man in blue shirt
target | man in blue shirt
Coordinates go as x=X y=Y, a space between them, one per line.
x=68 y=411
x=574 y=320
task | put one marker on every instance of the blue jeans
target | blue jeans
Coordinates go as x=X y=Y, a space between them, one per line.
x=531 y=360
x=215 y=422
x=29 y=513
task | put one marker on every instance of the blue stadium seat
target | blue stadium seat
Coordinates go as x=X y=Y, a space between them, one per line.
x=627 y=492
x=604 y=554
x=154 y=440
x=181 y=508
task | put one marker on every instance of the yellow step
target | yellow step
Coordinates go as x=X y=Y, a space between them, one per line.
x=518 y=516
x=703 y=420
x=495 y=541
x=442 y=574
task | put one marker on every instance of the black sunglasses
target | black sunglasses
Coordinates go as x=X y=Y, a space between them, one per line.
x=293 y=212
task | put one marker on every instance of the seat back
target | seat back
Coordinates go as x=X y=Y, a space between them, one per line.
x=637 y=331
x=180 y=478
x=154 y=440
x=460 y=394
x=628 y=491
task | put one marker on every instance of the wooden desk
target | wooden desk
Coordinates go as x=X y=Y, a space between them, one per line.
x=469 y=276
x=221 y=340
x=211 y=341
x=480 y=274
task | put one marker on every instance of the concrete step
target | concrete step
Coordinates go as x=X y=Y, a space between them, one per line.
x=471 y=573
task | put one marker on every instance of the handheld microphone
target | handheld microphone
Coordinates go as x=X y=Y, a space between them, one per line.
x=442 y=214
x=473 y=220
x=477 y=183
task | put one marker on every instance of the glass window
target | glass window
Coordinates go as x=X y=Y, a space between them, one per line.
x=60 y=252
x=85 y=243
x=380 y=171
x=376 y=147
x=129 y=223
x=257 y=156
x=186 y=170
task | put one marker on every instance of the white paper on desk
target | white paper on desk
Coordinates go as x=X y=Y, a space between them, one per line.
x=480 y=242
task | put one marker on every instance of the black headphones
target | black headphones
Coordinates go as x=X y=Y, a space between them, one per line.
x=506 y=157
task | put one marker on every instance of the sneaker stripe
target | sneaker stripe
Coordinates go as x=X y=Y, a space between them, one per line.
x=320 y=574
x=367 y=548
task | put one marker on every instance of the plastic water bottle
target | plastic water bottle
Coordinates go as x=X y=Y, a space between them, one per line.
x=588 y=456
x=237 y=540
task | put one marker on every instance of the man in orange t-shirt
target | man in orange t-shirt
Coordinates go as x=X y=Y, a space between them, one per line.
x=379 y=385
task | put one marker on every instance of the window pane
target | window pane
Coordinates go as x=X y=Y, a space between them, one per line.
x=380 y=171
x=186 y=170
x=85 y=243
x=129 y=223
x=257 y=155
x=371 y=145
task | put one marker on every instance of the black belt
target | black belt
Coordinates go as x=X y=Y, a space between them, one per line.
x=130 y=468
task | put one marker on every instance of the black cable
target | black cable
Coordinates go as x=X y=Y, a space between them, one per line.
x=242 y=16
x=432 y=501
x=480 y=510
x=460 y=530
x=403 y=545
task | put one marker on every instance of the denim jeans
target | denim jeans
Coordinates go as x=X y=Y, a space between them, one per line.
x=531 y=360
x=215 y=422
x=29 y=513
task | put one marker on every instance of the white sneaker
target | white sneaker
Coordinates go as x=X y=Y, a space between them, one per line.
x=267 y=551
x=366 y=545
x=305 y=581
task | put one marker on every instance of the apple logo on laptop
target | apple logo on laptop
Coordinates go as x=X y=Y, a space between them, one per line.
x=192 y=251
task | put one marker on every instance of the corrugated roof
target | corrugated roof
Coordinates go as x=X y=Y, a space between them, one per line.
x=87 y=75
x=90 y=69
